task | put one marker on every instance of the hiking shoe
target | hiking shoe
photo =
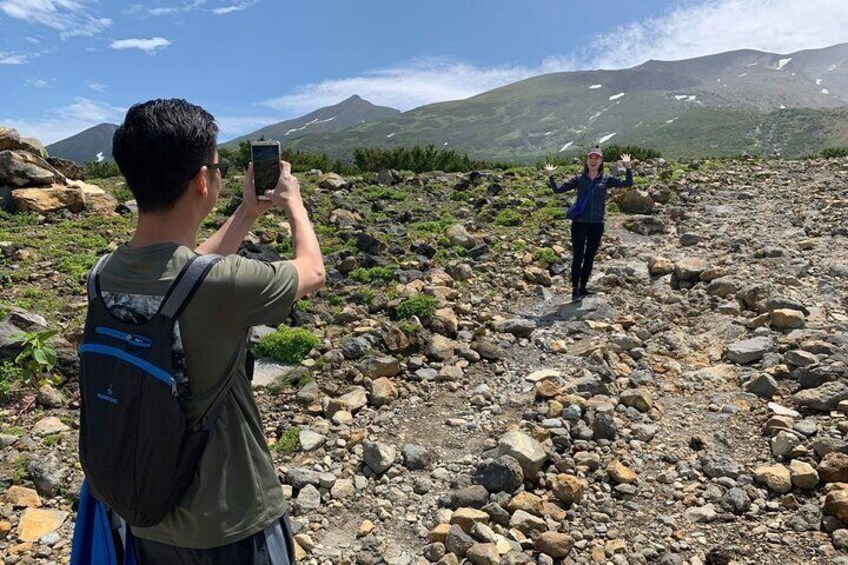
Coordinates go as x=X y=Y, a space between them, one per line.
x=583 y=291
x=575 y=295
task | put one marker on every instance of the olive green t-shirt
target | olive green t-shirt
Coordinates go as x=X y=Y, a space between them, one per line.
x=235 y=492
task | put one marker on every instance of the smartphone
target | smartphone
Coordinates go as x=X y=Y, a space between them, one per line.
x=266 y=165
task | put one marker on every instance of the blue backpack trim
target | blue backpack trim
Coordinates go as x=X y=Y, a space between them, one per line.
x=146 y=366
x=132 y=339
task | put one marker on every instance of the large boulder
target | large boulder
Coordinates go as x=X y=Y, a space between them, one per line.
x=53 y=199
x=636 y=202
x=332 y=181
x=21 y=169
x=749 y=350
x=11 y=139
x=67 y=167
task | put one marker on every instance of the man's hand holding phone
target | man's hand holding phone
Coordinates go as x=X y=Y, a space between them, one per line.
x=286 y=195
x=252 y=203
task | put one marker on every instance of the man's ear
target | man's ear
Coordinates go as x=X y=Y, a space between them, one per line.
x=199 y=183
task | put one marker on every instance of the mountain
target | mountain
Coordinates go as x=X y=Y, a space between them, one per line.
x=350 y=112
x=86 y=145
x=719 y=104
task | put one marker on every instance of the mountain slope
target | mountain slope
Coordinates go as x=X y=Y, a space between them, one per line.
x=86 y=145
x=350 y=112
x=719 y=104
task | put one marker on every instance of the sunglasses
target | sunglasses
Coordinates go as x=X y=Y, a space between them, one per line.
x=223 y=165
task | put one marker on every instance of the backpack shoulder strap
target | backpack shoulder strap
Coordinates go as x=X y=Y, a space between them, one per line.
x=93 y=284
x=186 y=284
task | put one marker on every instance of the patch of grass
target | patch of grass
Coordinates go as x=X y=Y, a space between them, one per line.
x=289 y=442
x=366 y=276
x=612 y=208
x=287 y=345
x=303 y=305
x=552 y=213
x=460 y=196
x=834 y=152
x=19 y=472
x=422 y=306
x=508 y=218
x=384 y=193
x=51 y=440
x=545 y=255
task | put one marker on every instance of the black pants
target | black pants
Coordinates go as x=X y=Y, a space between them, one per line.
x=585 y=241
x=268 y=547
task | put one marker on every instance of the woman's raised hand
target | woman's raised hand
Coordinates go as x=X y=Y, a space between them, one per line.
x=625 y=160
x=549 y=169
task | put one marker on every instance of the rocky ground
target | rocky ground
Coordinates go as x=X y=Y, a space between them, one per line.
x=693 y=411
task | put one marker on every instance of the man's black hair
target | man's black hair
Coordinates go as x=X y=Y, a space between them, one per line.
x=160 y=147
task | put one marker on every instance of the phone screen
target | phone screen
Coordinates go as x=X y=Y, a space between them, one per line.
x=266 y=167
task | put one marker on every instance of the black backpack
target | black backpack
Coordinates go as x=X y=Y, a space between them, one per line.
x=137 y=451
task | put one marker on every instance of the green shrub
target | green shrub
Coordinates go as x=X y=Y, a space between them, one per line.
x=416 y=159
x=545 y=255
x=460 y=196
x=382 y=193
x=289 y=442
x=286 y=345
x=36 y=358
x=508 y=218
x=422 y=306
x=614 y=152
x=101 y=170
x=366 y=276
x=834 y=152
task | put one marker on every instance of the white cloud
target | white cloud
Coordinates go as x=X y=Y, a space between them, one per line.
x=37 y=83
x=233 y=8
x=63 y=122
x=146 y=45
x=70 y=17
x=404 y=87
x=144 y=10
x=13 y=58
x=96 y=86
x=715 y=26
x=233 y=126
x=700 y=28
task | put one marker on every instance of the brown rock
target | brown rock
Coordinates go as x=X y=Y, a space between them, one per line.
x=21 y=497
x=786 y=319
x=483 y=554
x=465 y=518
x=639 y=398
x=775 y=477
x=803 y=474
x=395 y=340
x=332 y=181
x=383 y=392
x=836 y=504
x=36 y=522
x=21 y=169
x=546 y=389
x=67 y=167
x=526 y=501
x=833 y=468
x=554 y=544
x=439 y=533
x=619 y=473
x=568 y=489
x=5 y=528
x=659 y=266
x=53 y=199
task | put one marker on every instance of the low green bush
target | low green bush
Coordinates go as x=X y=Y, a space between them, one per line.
x=287 y=345
x=508 y=218
x=422 y=306
x=289 y=442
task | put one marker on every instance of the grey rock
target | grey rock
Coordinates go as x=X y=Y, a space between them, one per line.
x=736 y=500
x=416 y=457
x=824 y=398
x=763 y=385
x=47 y=473
x=379 y=456
x=717 y=465
x=527 y=451
x=807 y=519
x=308 y=499
x=503 y=474
x=458 y=542
x=519 y=327
x=749 y=350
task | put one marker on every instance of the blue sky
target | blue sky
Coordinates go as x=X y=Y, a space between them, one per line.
x=66 y=65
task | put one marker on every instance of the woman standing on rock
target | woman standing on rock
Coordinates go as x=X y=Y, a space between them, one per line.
x=587 y=213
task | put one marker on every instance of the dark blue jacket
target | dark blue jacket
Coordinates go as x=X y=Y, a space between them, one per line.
x=596 y=205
